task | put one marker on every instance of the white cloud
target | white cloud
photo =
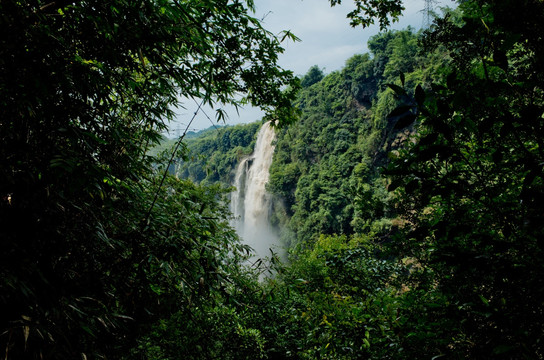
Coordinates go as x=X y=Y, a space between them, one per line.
x=324 y=31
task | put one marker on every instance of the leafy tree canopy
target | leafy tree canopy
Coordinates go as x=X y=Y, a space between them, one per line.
x=89 y=256
x=314 y=75
x=367 y=11
x=470 y=183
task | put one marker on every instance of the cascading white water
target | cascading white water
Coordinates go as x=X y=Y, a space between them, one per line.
x=237 y=197
x=250 y=203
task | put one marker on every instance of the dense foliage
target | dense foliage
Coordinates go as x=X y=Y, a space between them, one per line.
x=410 y=190
x=448 y=264
x=338 y=296
x=467 y=183
x=93 y=251
x=326 y=166
x=470 y=185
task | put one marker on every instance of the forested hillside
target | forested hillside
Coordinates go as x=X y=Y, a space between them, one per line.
x=408 y=186
x=389 y=196
x=326 y=168
x=212 y=156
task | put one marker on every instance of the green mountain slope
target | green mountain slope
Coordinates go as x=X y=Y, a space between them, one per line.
x=325 y=172
x=326 y=166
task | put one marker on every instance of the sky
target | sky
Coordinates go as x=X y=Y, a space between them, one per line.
x=327 y=40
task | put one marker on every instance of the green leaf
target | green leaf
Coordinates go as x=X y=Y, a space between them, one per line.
x=428 y=139
x=502 y=349
x=405 y=121
x=411 y=186
x=397 y=89
x=420 y=95
x=394 y=184
x=500 y=59
x=287 y=34
x=400 y=110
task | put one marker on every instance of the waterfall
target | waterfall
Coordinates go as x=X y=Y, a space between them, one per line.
x=250 y=203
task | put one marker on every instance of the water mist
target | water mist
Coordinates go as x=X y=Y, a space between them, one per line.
x=250 y=203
